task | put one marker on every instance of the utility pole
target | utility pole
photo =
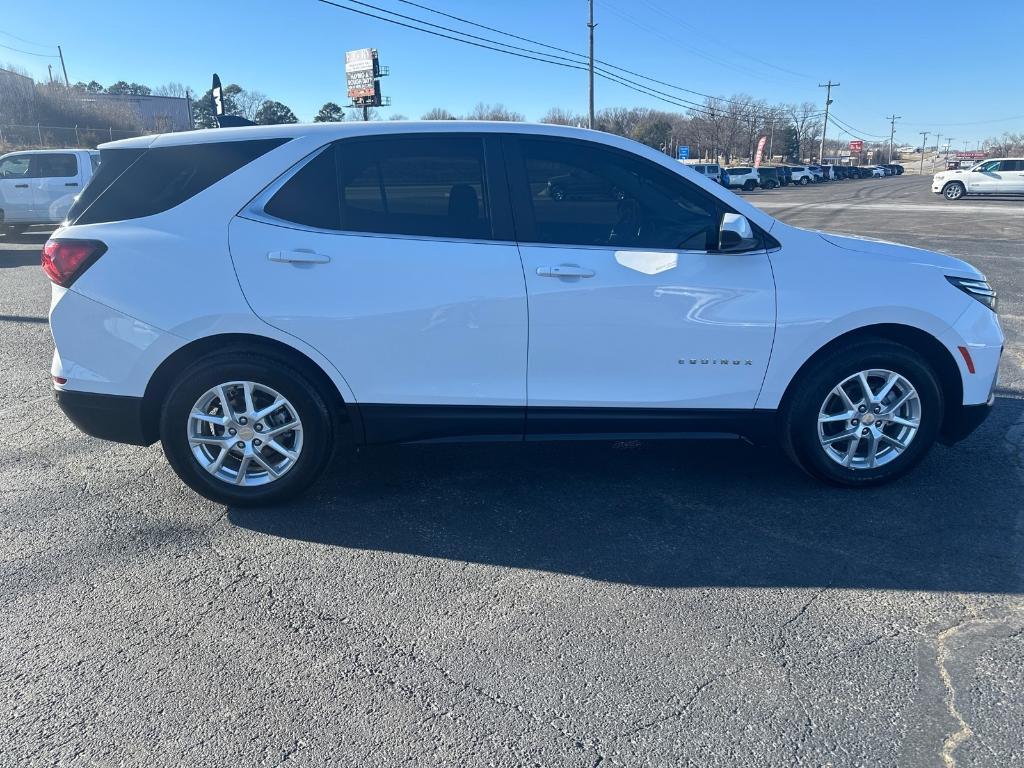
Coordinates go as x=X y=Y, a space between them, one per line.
x=61 y=54
x=924 y=134
x=828 y=101
x=590 y=28
x=892 y=133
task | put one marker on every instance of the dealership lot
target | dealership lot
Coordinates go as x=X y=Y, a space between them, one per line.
x=565 y=604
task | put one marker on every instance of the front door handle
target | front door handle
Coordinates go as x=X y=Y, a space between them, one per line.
x=71 y=184
x=299 y=257
x=565 y=270
x=21 y=186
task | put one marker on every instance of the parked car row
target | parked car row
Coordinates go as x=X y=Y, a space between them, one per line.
x=749 y=178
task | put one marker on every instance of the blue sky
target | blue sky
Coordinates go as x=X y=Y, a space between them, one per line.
x=945 y=67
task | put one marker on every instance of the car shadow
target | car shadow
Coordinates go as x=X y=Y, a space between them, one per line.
x=11 y=257
x=658 y=514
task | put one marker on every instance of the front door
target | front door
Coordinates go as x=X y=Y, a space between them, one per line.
x=16 y=187
x=393 y=256
x=631 y=307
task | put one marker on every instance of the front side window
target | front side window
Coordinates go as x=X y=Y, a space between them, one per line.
x=989 y=167
x=586 y=194
x=15 y=167
x=54 y=166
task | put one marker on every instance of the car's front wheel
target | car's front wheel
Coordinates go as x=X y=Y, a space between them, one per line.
x=863 y=415
x=954 y=190
x=749 y=186
x=246 y=430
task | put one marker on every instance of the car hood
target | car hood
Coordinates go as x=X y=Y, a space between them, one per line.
x=904 y=253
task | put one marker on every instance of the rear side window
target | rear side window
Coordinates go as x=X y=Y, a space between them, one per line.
x=432 y=187
x=94 y=160
x=158 y=179
x=428 y=187
x=310 y=197
x=49 y=166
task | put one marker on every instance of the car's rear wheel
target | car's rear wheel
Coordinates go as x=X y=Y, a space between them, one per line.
x=245 y=430
x=804 y=181
x=749 y=186
x=864 y=415
x=954 y=190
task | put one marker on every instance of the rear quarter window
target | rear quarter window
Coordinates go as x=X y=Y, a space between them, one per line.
x=133 y=183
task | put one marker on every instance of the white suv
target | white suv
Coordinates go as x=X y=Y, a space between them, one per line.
x=39 y=186
x=254 y=297
x=999 y=176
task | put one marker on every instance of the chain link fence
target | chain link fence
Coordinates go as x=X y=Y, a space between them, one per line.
x=38 y=136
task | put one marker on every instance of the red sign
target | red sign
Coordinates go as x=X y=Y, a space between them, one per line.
x=857 y=145
x=760 y=149
x=972 y=155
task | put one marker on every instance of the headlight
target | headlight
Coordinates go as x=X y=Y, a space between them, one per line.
x=978 y=289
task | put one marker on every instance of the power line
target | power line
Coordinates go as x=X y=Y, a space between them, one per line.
x=30 y=53
x=683 y=23
x=853 y=130
x=527 y=53
x=24 y=40
x=581 y=56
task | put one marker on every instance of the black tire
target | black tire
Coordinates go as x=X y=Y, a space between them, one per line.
x=749 y=186
x=280 y=375
x=955 y=190
x=799 y=414
x=804 y=181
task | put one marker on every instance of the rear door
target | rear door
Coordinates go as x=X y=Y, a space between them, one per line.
x=16 y=187
x=56 y=179
x=394 y=257
x=629 y=305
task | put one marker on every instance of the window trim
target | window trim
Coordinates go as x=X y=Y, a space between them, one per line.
x=494 y=179
x=522 y=208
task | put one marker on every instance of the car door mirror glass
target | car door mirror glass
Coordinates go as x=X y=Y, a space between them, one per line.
x=735 y=233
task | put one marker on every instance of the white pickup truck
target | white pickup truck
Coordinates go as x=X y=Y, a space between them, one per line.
x=998 y=176
x=38 y=186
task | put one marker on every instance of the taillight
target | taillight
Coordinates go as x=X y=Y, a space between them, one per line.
x=65 y=260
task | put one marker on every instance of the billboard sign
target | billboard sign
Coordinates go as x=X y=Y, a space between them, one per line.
x=972 y=155
x=361 y=68
x=857 y=145
x=684 y=153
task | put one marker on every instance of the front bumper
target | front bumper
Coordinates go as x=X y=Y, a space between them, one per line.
x=963 y=421
x=110 y=417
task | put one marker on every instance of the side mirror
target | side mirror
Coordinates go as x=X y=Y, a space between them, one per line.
x=735 y=233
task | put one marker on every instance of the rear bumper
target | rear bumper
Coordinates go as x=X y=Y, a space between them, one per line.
x=110 y=417
x=962 y=422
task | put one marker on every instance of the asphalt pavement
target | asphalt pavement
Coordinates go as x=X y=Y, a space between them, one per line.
x=702 y=604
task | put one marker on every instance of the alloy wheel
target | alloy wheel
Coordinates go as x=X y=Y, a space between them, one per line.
x=869 y=419
x=244 y=433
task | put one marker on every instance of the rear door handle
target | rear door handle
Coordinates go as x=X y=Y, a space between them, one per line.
x=565 y=270
x=71 y=184
x=21 y=186
x=299 y=257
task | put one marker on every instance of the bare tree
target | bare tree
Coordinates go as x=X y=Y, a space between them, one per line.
x=494 y=112
x=438 y=113
x=807 y=123
x=249 y=102
x=560 y=116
